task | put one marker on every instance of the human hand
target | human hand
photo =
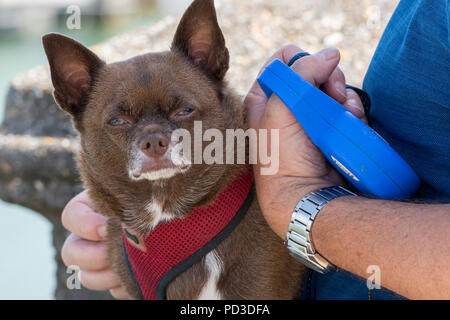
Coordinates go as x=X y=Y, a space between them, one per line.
x=85 y=247
x=302 y=167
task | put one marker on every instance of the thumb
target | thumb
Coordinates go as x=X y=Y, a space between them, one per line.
x=317 y=68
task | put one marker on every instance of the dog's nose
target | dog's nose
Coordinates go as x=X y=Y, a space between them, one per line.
x=154 y=145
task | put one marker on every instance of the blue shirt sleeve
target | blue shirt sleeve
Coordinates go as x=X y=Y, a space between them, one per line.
x=408 y=82
x=409 y=86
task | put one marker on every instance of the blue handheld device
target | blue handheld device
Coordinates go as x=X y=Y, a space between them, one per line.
x=364 y=158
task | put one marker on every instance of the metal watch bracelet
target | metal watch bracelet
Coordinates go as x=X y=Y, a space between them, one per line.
x=298 y=240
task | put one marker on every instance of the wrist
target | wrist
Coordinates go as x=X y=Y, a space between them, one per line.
x=299 y=239
x=325 y=230
x=307 y=189
x=277 y=205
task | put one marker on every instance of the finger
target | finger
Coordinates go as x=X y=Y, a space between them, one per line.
x=256 y=99
x=120 y=293
x=335 y=86
x=354 y=105
x=285 y=54
x=88 y=255
x=80 y=219
x=99 y=280
x=317 y=68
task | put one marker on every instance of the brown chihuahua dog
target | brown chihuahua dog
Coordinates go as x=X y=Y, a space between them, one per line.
x=126 y=113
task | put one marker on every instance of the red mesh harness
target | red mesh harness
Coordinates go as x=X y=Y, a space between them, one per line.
x=173 y=247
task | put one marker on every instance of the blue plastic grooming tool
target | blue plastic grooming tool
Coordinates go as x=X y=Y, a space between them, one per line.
x=365 y=159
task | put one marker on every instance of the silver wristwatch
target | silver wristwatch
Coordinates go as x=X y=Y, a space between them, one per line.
x=298 y=240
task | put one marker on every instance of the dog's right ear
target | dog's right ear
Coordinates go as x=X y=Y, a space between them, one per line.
x=73 y=69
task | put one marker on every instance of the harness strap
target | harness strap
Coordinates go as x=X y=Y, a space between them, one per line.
x=173 y=247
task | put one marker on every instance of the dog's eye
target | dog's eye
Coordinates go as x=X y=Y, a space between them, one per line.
x=116 y=122
x=185 y=112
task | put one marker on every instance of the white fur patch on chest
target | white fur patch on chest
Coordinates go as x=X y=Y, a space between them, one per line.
x=214 y=266
x=159 y=216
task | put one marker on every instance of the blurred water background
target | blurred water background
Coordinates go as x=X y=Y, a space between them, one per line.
x=27 y=267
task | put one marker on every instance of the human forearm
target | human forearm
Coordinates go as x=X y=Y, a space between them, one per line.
x=410 y=243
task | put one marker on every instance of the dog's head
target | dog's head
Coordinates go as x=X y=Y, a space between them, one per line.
x=127 y=111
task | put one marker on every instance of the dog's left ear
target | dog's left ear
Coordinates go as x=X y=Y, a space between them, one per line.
x=199 y=37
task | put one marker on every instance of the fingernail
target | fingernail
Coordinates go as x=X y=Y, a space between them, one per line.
x=340 y=87
x=102 y=232
x=355 y=104
x=328 y=53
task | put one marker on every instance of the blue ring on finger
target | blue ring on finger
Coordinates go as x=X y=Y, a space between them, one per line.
x=296 y=57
